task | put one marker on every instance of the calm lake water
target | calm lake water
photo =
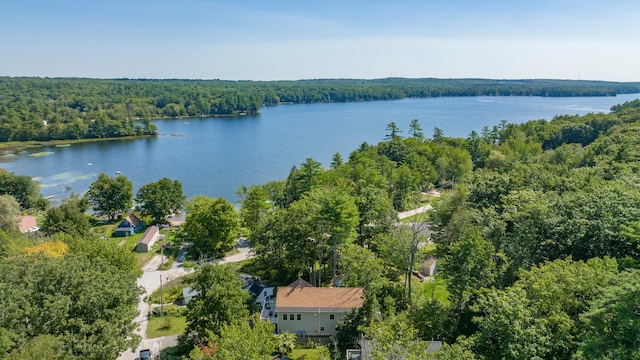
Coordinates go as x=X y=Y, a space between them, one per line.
x=213 y=156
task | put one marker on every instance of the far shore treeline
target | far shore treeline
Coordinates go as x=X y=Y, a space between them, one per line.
x=42 y=109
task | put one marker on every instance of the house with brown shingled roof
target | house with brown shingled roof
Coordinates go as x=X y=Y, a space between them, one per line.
x=309 y=311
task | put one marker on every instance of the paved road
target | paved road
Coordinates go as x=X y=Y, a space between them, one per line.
x=150 y=282
x=420 y=210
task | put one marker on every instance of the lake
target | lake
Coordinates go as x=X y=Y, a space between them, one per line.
x=213 y=156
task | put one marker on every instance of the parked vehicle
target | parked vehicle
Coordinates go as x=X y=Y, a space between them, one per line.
x=145 y=354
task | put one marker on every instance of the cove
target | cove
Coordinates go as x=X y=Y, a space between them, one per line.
x=213 y=156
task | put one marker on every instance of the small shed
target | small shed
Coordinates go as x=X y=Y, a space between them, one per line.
x=430 y=266
x=148 y=239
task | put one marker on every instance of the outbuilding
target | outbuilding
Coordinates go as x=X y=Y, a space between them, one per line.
x=147 y=240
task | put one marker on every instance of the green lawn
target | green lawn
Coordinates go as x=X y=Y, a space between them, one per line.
x=319 y=353
x=431 y=289
x=165 y=326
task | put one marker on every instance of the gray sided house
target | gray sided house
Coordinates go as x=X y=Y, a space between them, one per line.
x=148 y=239
x=309 y=311
x=129 y=226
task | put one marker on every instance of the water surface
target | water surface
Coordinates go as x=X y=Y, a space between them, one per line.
x=213 y=156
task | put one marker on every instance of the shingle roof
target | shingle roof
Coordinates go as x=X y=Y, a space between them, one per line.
x=305 y=298
x=148 y=235
x=257 y=287
x=299 y=283
x=131 y=219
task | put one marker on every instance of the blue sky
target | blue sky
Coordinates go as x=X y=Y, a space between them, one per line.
x=288 y=40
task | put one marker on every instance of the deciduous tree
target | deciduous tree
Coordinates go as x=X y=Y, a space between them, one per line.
x=220 y=301
x=161 y=199
x=211 y=224
x=108 y=196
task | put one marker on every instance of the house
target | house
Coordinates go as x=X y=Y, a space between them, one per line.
x=260 y=291
x=313 y=311
x=129 y=226
x=27 y=224
x=430 y=266
x=150 y=236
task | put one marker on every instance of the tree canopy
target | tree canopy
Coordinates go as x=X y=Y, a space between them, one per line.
x=161 y=199
x=109 y=196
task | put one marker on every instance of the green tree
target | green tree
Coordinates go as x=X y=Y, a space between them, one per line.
x=23 y=189
x=377 y=214
x=211 y=224
x=308 y=175
x=509 y=329
x=393 y=131
x=251 y=339
x=161 y=199
x=336 y=160
x=67 y=218
x=334 y=213
x=220 y=301
x=286 y=343
x=400 y=247
x=611 y=327
x=467 y=265
x=415 y=130
x=255 y=206
x=108 y=196
x=9 y=211
x=362 y=268
x=395 y=338
x=87 y=305
x=40 y=347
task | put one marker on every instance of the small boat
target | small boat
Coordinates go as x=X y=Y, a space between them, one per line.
x=89 y=164
x=186 y=123
x=49 y=197
x=118 y=172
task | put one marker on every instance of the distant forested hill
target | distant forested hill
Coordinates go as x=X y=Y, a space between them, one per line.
x=73 y=108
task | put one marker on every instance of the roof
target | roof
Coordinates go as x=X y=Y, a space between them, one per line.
x=299 y=283
x=257 y=287
x=307 y=299
x=131 y=219
x=27 y=223
x=148 y=235
x=189 y=292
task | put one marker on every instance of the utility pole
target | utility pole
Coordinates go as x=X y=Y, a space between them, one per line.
x=161 y=265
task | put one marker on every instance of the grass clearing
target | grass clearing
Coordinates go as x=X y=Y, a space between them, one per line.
x=436 y=288
x=317 y=353
x=165 y=326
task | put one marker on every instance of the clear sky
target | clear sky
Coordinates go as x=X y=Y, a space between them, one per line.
x=302 y=39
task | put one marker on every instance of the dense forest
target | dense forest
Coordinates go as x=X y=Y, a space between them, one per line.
x=73 y=108
x=536 y=233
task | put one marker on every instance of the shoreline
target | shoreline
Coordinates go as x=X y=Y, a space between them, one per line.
x=14 y=147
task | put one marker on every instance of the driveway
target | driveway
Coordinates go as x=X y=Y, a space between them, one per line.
x=420 y=210
x=150 y=282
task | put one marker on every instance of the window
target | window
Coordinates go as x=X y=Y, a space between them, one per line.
x=284 y=316
x=291 y=317
x=331 y=317
x=322 y=328
x=299 y=316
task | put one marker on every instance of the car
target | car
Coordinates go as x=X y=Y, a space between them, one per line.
x=145 y=354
